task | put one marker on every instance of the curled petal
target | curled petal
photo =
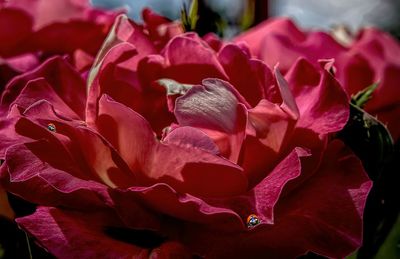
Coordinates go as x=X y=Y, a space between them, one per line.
x=214 y=108
x=24 y=174
x=261 y=199
x=187 y=169
x=61 y=76
x=243 y=73
x=322 y=102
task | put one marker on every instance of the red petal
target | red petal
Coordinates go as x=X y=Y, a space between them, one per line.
x=186 y=169
x=321 y=100
x=329 y=223
x=214 y=108
x=185 y=207
x=264 y=195
x=69 y=234
x=38 y=89
x=21 y=28
x=65 y=81
x=186 y=54
x=241 y=73
x=24 y=174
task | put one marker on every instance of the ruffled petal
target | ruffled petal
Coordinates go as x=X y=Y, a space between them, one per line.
x=39 y=89
x=78 y=156
x=24 y=174
x=63 y=79
x=261 y=199
x=340 y=183
x=187 y=169
x=121 y=71
x=269 y=130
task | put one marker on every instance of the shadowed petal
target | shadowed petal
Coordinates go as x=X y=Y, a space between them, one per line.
x=69 y=234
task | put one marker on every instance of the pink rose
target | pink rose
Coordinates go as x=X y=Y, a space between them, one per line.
x=201 y=152
x=369 y=58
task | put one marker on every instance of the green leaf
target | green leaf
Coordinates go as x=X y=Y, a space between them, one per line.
x=390 y=249
x=1 y=252
x=352 y=256
x=193 y=14
x=189 y=21
x=369 y=139
x=248 y=16
x=362 y=97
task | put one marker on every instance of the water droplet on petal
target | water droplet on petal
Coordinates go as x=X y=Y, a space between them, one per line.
x=51 y=127
x=252 y=221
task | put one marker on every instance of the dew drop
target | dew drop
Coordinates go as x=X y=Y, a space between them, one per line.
x=252 y=221
x=51 y=127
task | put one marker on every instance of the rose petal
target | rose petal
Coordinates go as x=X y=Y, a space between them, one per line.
x=254 y=36
x=24 y=174
x=85 y=146
x=191 y=137
x=119 y=73
x=182 y=206
x=72 y=148
x=186 y=169
x=262 y=198
x=270 y=128
x=341 y=183
x=122 y=30
x=38 y=89
x=52 y=27
x=106 y=72
x=69 y=234
x=22 y=26
x=64 y=80
x=161 y=29
x=214 y=108
x=354 y=72
x=188 y=53
x=213 y=41
x=246 y=76
x=321 y=100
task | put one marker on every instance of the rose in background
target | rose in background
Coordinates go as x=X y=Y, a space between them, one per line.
x=181 y=148
x=31 y=31
x=359 y=61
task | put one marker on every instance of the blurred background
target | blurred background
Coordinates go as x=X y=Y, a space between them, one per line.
x=307 y=13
